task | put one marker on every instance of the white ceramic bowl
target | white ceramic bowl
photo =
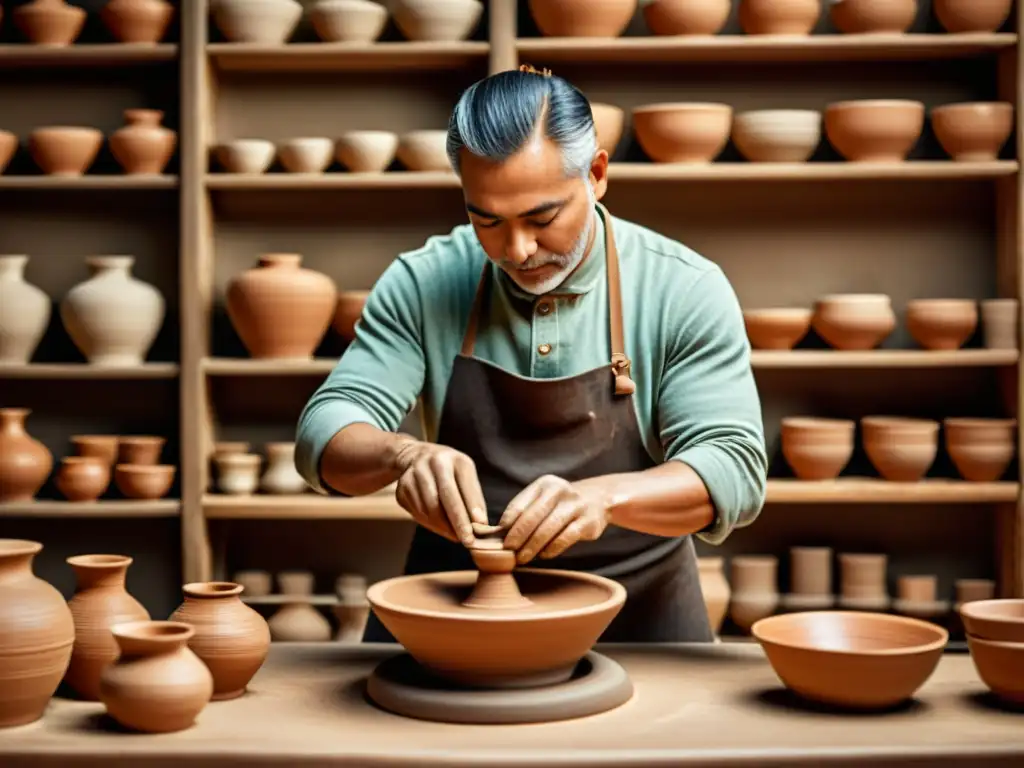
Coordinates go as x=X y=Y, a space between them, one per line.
x=777 y=135
x=366 y=151
x=437 y=20
x=310 y=154
x=270 y=22
x=250 y=156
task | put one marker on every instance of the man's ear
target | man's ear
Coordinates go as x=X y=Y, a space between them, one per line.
x=599 y=174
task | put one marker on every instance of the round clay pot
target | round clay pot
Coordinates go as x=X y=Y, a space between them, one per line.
x=776 y=328
x=437 y=20
x=49 y=22
x=1000 y=665
x=248 y=156
x=582 y=18
x=64 y=150
x=24 y=312
x=140 y=449
x=366 y=151
x=1000 y=620
x=255 y=583
x=280 y=309
x=810 y=571
x=112 y=317
x=25 y=463
x=942 y=323
x=144 y=481
x=777 y=135
x=999 y=322
x=281 y=476
x=103 y=447
x=972 y=15
x=686 y=17
x=137 y=21
x=901 y=449
x=973 y=132
x=682 y=133
x=779 y=17
x=8 y=146
x=817 y=449
x=348 y=21
x=878 y=16
x=862 y=575
x=269 y=22
x=609 y=123
x=853 y=321
x=143 y=146
x=424 y=151
x=715 y=589
x=83 y=478
x=874 y=131
x=100 y=601
x=981 y=449
x=238 y=474
x=918 y=589
x=230 y=637
x=36 y=635
x=306 y=155
x=157 y=684
x=348 y=311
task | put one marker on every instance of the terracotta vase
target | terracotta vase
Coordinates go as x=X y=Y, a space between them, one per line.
x=436 y=20
x=137 y=21
x=100 y=601
x=817 y=449
x=687 y=17
x=230 y=637
x=83 y=478
x=281 y=476
x=36 y=635
x=280 y=309
x=972 y=15
x=25 y=463
x=270 y=22
x=779 y=17
x=715 y=588
x=24 y=312
x=981 y=449
x=113 y=318
x=140 y=449
x=999 y=323
x=101 y=446
x=49 y=22
x=901 y=449
x=582 y=18
x=298 y=621
x=877 y=16
x=157 y=684
x=755 y=591
x=143 y=146
x=942 y=324
x=238 y=474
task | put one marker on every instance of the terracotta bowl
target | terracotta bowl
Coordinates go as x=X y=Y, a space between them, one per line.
x=64 y=150
x=498 y=648
x=8 y=146
x=973 y=132
x=777 y=135
x=942 y=323
x=366 y=151
x=853 y=321
x=82 y=478
x=1000 y=620
x=901 y=449
x=424 y=150
x=144 y=481
x=609 y=121
x=250 y=156
x=103 y=447
x=437 y=20
x=348 y=312
x=851 y=659
x=266 y=22
x=770 y=17
x=981 y=449
x=696 y=17
x=306 y=154
x=776 y=328
x=874 y=131
x=817 y=449
x=1000 y=665
x=972 y=15
x=348 y=21
x=582 y=18
x=140 y=449
x=866 y=16
x=683 y=132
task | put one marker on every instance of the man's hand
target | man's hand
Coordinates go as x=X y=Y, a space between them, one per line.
x=550 y=515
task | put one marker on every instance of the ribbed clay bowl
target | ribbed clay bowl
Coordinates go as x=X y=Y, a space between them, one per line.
x=534 y=645
x=853 y=321
x=849 y=658
x=347 y=314
x=1001 y=620
x=981 y=449
x=777 y=135
x=942 y=323
x=901 y=449
x=878 y=131
x=682 y=132
x=776 y=328
x=817 y=449
x=973 y=132
x=1000 y=665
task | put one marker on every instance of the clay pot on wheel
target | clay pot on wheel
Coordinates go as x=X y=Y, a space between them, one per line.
x=981 y=449
x=878 y=16
x=682 y=132
x=25 y=463
x=49 y=22
x=777 y=328
x=973 y=132
x=366 y=151
x=348 y=21
x=779 y=17
x=437 y=20
x=64 y=150
x=715 y=589
x=582 y=18
x=874 y=130
x=817 y=449
x=269 y=22
x=999 y=321
x=901 y=449
x=609 y=122
x=854 y=321
x=137 y=21
x=972 y=15
x=349 y=310
x=686 y=17
x=24 y=312
x=777 y=135
x=942 y=324
x=82 y=478
x=143 y=146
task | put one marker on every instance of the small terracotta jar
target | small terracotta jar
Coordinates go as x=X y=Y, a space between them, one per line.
x=755 y=592
x=297 y=620
x=140 y=449
x=100 y=601
x=157 y=684
x=144 y=481
x=281 y=476
x=255 y=583
x=25 y=463
x=143 y=146
x=137 y=21
x=999 y=323
x=981 y=449
x=715 y=588
x=102 y=447
x=220 y=449
x=862 y=581
x=238 y=474
x=901 y=449
x=83 y=478
x=49 y=22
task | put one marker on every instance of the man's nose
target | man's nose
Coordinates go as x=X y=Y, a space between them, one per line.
x=520 y=247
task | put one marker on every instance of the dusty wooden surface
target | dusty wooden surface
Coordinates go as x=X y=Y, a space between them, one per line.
x=715 y=705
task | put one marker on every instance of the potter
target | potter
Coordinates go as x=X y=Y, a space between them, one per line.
x=586 y=382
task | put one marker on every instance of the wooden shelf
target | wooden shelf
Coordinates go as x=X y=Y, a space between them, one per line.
x=307 y=506
x=884 y=358
x=289 y=181
x=282 y=599
x=340 y=57
x=241 y=366
x=94 y=509
x=85 y=54
x=871 y=491
x=87 y=182
x=74 y=371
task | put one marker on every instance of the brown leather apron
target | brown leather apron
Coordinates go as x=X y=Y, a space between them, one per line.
x=517 y=429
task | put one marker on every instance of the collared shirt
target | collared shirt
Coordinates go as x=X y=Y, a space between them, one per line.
x=696 y=400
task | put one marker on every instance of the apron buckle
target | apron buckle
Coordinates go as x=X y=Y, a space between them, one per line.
x=624 y=384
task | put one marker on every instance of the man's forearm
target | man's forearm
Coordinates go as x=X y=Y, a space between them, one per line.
x=362 y=459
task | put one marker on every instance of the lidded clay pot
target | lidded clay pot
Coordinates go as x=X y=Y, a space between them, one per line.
x=269 y=22
x=64 y=150
x=437 y=20
x=817 y=449
x=157 y=684
x=901 y=449
x=49 y=22
x=248 y=156
x=981 y=449
x=280 y=309
x=779 y=17
x=999 y=322
x=424 y=150
x=144 y=481
x=143 y=146
x=582 y=18
x=686 y=17
x=348 y=312
x=36 y=635
x=140 y=449
x=755 y=592
x=609 y=123
x=25 y=463
x=942 y=323
x=24 y=312
x=972 y=15
x=853 y=321
x=866 y=16
x=100 y=601
x=310 y=154
x=776 y=327
x=137 y=21
x=8 y=146
x=281 y=476
x=366 y=151
x=103 y=447
x=973 y=132
x=83 y=478
x=230 y=637
x=777 y=135
x=715 y=589
x=238 y=474
x=682 y=132
x=348 y=21
x=874 y=130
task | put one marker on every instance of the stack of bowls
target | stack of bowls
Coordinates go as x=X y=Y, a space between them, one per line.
x=995 y=636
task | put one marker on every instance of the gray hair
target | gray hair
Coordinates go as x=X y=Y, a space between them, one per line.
x=497 y=116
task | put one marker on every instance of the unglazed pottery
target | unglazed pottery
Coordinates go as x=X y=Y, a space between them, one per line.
x=424 y=150
x=582 y=18
x=810 y=571
x=305 y=154
x=999 y=323
x=1000 y=620
x=24 y=312
x=297 y=620
x=157 y=684
x=82 y=478
x=281 y=476
x=817 y=449
x=270 y=22
x=609 y=122
x=981 y=449
x=137 y=21
x=104 y=447
x=348 y=311
x=901 y=449
x=238 y=474
x=144 y=481
x=64 y=150
x=36 y=635
x=686 y=17
x=755 y=592
x=715 y=589
x=851 y=659
x=143 y=146
x=100 y=601
x=682 y=132
x=777 y=135
x=973 y=132
x=140 y=449
x=25 y=463
x=221 y=449
x=366 y=151
x=853 y=321
x=350 y=588
x=348 y=21
x=970 y=590
x=860 y=16
x=49 y=22
x=777 y=327
x=972 y=15
x=436 y=20
x=862 y=576
x=917 y=588
x=1000 y=665
x=248 y=156
x=280 y=309
x=779 y=17
x=8 y=146
x=255 y=583
x=230 y=637
x=874 y=130
x=942 y=323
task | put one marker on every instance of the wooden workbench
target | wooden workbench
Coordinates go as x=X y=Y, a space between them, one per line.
x=717 y=705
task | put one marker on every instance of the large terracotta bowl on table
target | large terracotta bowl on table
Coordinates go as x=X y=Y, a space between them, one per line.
x=1000 y=665
x=1000 y=620
x=684 y=132
x=874 y=130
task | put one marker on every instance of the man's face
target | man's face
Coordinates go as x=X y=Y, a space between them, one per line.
x=532 y=221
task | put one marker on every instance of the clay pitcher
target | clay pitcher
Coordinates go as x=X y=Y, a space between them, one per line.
x=24 y=312
x=715 y=588
x=25 y=463
x=100 y=601
x=36 y=635
x=137 y=21
x=143 y=146
x=230 y=637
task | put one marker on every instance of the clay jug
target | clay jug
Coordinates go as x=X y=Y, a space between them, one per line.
x=157 y=684
x=143 y=146
x=24 y=312
x=230 y=637
x=715 y=588
x=25 y=463
x=49 y=22
x=137 y=21
x=100 y=601
x=281 y=476
x=280 y=309
x=36 y=635
x=112 y=317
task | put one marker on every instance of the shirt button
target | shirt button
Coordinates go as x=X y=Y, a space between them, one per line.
x=544 y=349
x=544 y=308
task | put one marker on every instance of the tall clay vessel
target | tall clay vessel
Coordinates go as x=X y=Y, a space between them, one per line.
x=36 y=634
x=25 y=463
x=143 y=146
x=24 y=312
x=230 y=637
x=100 y=601
x=137 y=21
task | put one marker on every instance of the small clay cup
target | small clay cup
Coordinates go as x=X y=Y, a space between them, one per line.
x=1000 y=665
x=101 y=446
x=901 y=449
x=942 y=324
x=1000 y=620
x=973 y=132
x=140 y=449
x=981 y=449
x=238 y=474
x=817 y=449
x=776 y=328
x=83 y=478
x=144 y=481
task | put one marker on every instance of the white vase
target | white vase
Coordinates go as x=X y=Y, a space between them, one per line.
x=24 y=312
x=281 y=476
x=112 y=317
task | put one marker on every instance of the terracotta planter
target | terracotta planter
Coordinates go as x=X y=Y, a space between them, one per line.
x=715 y=588
x=686 y=17
x=269 y=22
x=973 y=132
x=939 y=324
x=83 y=478
x=146 y=482
x=682 y=133
x=437 y=20
x=366 y=151
x=24 y=312
x=248 y=156
x=810 y=571
x=817 y=449
x=874 y=130
x=281 y=476
x=1000 y=323
x=238 y=474
x=103 y=447
x=49 y=22
x=254 y=582
x=64 y=150
x=981 y=449
x=779 y=17
x=866 y=16
x=143 y=146
x=25 y=463
x=8 y=146
x=853 y=321
x=347 y=314
x=776 y=328
x=348 y=21
x=862 y=576
x=755 y=593
x=609 y=123
x=280 y=309
x=424 y=151
x=901 y=449
x=972 y=15
x=36 y=635
x=306 y=154
x=140 y=449
x=137 y=21
x=777 y=135
x=582 y=18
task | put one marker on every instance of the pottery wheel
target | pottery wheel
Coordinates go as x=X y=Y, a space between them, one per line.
x=402 y=686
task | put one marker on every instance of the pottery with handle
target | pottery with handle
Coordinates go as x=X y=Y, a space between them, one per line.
x=25 y=462
x=49 y=22
x=137 y=21
x=24 y=312
x=143 y=146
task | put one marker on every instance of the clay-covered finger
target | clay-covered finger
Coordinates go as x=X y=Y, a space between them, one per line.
x=570 y=535
x=430 y=505
x=549 y=529
x=472 y=493
x=521 y=502
x=452 y=504
x=528 y=521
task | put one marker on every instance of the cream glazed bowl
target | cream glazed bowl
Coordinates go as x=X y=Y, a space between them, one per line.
x=777 y=135
x=310 y=154
x=248 y=156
